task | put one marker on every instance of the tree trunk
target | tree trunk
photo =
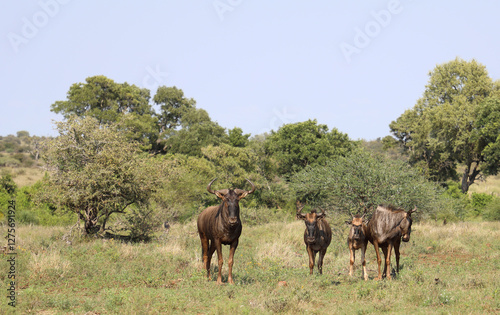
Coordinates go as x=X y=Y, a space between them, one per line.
x=469 y=178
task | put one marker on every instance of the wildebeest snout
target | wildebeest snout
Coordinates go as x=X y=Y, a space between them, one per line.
x=233 y=220
x=406 y=237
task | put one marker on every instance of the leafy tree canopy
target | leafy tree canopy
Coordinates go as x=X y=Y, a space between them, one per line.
x=487 y=134
x=358 y=182
x=173 y=105
x=237 y=138
x=110 y=102
x=95 y=171
x=439 y=132
x=295 y=146
x=197 y=131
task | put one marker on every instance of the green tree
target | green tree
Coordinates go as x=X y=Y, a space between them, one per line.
x=110 y=102
x=295 y=146
x=197 y=131
x=23 y=134
x=439 y=132
x=173 y=106
x=232 y=164
x=487 y=135
x=95 y=171
x=359 y=182
x=237 y=138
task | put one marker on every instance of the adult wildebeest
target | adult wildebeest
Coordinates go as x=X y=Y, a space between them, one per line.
x=221 y=225
x=317 y=236
x=387 y=227
x=357 y=239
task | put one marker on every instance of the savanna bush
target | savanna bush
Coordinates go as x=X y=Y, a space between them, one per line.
x=491 y=211
x=479 y=201
x=360 y=181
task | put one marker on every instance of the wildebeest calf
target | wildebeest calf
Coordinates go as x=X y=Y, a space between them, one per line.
x=387 y=227
x=357 y=240
x=317 y=237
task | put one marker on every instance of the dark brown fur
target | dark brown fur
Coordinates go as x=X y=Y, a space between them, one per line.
x=317 y=237
x=387 y=227
x=221 y=225
x=357 y=239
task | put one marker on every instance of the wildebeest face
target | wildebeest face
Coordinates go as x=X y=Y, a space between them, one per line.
x=231 y=201
x=356 y=232
x=311 y=231
x=405 y=227
x=311 y=221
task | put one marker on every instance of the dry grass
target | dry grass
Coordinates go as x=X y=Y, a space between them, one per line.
x=24 y=176
x=449 y=268
x=490 y=186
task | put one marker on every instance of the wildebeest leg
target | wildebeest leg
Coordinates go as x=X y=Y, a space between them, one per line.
x=379 y=260
x=363 y=262
x=384 y=250
x=396 y=251
x=232 y=249
x=205 y=254
x=351 y=260
x=312 y=255
x=218 y=247
x=211 y=251
x=320 y=260
x=388 y=260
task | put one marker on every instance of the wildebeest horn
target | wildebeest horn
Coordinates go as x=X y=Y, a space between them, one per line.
x=299 y=215
x=208 y=187
x=322 y=211
x=412 y=211
x=300 y=209
x=253 y=186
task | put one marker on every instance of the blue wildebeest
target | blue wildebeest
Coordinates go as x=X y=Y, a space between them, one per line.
x=387 y=227
x=221 y=225
x=357 y=239
x=317 y=236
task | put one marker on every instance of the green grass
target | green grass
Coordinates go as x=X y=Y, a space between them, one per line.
x=445 y=269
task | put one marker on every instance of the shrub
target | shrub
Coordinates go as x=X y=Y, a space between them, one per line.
x=8 y=161
x=479 y=202
x=7 y=184
x=491 y=210
x=361 y=181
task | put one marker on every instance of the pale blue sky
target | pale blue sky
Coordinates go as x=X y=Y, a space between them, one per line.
x=352 y=65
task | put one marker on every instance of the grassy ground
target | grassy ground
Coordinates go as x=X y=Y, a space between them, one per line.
x=23 y=176
x=491 y=185
x=445 y=269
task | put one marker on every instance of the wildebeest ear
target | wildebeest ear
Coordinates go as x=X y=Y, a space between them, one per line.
x=301 y=216
x=348 y=222
x=219 y=194
x=243 y=195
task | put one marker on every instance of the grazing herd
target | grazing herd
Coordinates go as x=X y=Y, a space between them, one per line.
x=221 y=225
